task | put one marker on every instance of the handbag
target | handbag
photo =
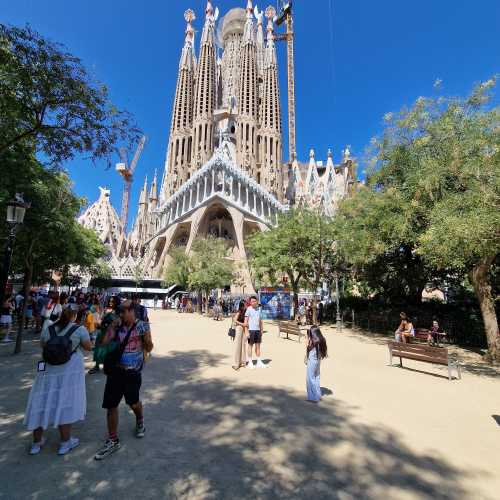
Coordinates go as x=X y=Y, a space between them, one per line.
x=114 y=354
x=232 y=332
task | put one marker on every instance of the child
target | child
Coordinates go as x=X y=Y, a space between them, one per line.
x=433 y=335
x=316 y=351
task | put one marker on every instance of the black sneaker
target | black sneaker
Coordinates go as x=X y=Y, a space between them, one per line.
x=140 y=430
x=109 y=447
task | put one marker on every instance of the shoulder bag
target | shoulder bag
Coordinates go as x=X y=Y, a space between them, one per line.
x=113 y=357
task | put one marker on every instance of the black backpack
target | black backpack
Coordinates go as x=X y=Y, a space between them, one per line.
x=59 y=349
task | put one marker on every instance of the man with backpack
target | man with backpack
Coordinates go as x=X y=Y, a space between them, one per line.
x=123 y=365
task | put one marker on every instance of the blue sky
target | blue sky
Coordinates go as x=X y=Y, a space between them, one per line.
x=353 y=66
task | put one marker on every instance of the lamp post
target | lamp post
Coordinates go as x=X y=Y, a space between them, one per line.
x=16 y=210
x=338 y=318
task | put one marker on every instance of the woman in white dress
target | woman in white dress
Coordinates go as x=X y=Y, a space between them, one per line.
x=58 y=395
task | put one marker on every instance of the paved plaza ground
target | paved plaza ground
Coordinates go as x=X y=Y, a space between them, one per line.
x=213 y=433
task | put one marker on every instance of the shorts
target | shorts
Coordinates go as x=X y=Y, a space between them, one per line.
x=122 y=383
x=255 y=337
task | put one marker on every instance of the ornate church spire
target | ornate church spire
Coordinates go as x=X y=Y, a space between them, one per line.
x=180 y=143
x=205 y=99
x=259 y=40
x=248 y=101
x=271 y=146
x=153 y=192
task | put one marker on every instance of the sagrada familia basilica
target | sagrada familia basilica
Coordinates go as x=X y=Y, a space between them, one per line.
x=224 y=173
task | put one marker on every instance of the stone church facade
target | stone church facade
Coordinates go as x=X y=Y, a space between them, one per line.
x=224 y=174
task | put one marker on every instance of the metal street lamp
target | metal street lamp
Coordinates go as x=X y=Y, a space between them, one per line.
x=338 y=319
x=16 y=210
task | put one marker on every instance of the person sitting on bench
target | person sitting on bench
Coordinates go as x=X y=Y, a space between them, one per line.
x=405 y=329
x=434 y=333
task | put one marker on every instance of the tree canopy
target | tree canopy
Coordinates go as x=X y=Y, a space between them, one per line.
x=301 y=247
x=48 y=100
x=210 y=267
x=431 y=207
x=178 y=269
x=204 y=269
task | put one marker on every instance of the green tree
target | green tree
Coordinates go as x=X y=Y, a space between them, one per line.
x=178 y=269
x=100 y=273
x=50 y=238
x=210 y=267
x=139 y=273
x=301 y=247
x=377 y=235
x=49 y=101
x=434 y=192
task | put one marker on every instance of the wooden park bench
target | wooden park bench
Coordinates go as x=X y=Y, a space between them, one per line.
x=424 y=353
x=289 y=328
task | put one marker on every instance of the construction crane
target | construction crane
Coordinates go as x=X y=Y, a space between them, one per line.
x=285 y=16
x=127 y=172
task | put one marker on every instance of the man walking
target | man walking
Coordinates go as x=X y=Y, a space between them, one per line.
x=125 y=380
x=253 y=323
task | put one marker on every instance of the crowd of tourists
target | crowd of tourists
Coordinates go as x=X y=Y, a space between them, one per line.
x=305 y=311
x=118 y=331
x=218 y=308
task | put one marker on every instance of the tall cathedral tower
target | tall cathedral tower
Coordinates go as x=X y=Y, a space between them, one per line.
x=236 y=76
x=270 y=132
x=205 y=99
x=248 y=100
x=180 y=144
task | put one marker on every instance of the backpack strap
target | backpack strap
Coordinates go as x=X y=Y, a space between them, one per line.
x=52 y=331
x=125 y=340
x=71 y=331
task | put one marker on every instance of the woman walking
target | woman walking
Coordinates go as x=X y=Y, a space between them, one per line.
x=58 y=396
x=316 y=351
x=240 y=353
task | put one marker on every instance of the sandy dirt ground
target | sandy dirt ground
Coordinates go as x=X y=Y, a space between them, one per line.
x=212 y=433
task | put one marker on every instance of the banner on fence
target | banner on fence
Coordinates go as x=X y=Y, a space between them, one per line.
x=276 y=303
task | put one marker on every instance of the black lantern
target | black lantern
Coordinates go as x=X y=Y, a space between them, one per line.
x=16 y=210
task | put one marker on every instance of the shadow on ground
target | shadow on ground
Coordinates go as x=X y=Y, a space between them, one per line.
x=215 y=439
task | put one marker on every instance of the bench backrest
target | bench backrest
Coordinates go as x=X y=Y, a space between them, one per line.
x=289 y=327
x=420 y=352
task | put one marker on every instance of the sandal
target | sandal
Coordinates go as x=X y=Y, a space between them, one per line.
x=235 y=368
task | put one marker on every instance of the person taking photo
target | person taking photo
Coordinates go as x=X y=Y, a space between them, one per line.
x=134 y=343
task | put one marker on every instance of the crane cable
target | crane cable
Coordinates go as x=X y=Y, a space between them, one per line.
x=332 y=59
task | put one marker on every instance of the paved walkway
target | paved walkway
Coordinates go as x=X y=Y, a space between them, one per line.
x=380 y=433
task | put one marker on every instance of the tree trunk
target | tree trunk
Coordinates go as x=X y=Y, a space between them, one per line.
x=28 y=273
x=199 y=304
x=315 y=308
x=480 y=280
x=295 y=290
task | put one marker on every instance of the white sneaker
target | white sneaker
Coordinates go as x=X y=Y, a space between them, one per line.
x=260 y=364
x=67 y=446
x=37 y=447
x=250 y=365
